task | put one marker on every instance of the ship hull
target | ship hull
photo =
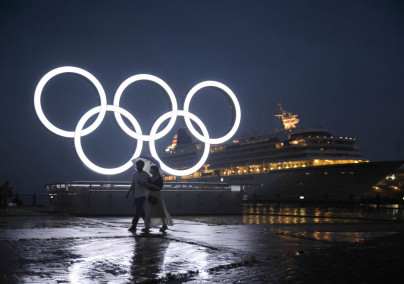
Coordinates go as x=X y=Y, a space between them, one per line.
x=344 y=182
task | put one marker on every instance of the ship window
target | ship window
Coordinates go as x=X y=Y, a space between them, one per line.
x=326 y=173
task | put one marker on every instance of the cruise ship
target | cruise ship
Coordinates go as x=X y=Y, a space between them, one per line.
x=290 y=164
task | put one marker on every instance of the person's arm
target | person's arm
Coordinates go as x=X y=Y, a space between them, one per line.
x=156 y=186
x=152 y=187
x=132 y=187
x=149 y=185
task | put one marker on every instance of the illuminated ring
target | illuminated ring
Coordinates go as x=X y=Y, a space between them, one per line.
x=166 y=88
x=152 y=145
x=236 y=104
x=88 y=76
x=83 y=157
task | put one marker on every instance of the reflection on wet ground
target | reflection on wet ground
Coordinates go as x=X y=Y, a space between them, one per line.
x=262 y=213
x=267 y=243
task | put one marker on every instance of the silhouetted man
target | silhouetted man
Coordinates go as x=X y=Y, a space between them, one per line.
x=139 y=177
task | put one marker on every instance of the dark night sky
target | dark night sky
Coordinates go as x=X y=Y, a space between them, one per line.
x=338 y=64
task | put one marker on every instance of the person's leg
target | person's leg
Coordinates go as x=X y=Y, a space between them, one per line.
x=138 y=213
x=164 y=227
x=142 y=213
x=135 y=220
x=145 y=218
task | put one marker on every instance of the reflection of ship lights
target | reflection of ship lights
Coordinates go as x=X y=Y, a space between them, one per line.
x=392 y=177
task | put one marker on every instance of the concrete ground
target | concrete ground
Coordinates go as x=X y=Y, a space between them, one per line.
x=266 y=244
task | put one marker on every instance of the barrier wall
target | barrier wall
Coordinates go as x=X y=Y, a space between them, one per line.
x=109 y=199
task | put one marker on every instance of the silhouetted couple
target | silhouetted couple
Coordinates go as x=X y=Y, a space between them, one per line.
x=148 y=199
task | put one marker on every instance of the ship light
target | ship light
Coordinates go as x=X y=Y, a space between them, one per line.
x=265 y=169
x=316 y=161
x=245 y=171
x=301 y=197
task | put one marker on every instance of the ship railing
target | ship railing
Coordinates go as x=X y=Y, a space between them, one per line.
x=72 y=187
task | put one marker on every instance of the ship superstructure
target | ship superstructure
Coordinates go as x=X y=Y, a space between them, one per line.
x=289 y=153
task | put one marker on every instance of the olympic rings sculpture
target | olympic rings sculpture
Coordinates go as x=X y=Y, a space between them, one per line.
x=137 y=134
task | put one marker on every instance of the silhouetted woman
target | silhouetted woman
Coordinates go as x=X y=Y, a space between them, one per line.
x=155 y=207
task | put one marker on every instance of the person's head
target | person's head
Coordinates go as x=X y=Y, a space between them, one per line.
x=154 y=170
x=139 y=166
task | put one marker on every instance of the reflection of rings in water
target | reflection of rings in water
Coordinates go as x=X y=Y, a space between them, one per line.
x=137 y=134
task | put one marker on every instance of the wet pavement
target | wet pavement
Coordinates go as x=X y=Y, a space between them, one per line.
x=267 y=244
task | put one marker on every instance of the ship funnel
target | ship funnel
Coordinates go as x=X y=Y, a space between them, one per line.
x=289 y=120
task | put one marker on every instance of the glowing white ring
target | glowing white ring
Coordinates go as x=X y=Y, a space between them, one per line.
x=137 y=134
x=87 y=75
x=236 y=104
x=166 y=88
x=83 y=157
x=153 y=151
